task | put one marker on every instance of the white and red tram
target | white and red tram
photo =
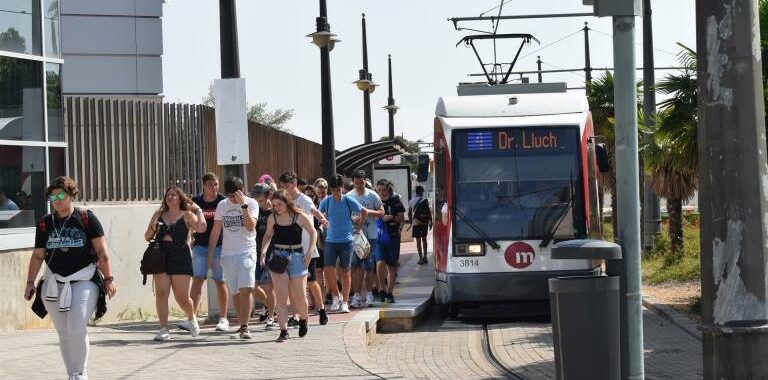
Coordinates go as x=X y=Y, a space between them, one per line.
x=513 y=173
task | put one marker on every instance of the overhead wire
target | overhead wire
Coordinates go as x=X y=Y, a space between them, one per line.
x=550 y=44
x=636 y=43
x=496 y=7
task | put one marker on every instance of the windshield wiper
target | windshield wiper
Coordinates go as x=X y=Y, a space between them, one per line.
x=477 y=230
x=551 y=233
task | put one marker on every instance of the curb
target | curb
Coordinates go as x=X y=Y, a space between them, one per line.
x=675 y=317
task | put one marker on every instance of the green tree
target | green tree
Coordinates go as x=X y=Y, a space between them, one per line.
x=258 y=113
x=11 y=40
x=671 y=159
x=600 y=96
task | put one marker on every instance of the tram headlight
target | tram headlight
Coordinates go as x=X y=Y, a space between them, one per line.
x=470 y=249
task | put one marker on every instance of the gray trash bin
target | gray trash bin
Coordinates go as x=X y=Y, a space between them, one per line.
x=585 y=315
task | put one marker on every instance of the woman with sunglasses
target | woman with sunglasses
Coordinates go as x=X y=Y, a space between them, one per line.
x=71 y=242
x=289 y=262
x=172 y=226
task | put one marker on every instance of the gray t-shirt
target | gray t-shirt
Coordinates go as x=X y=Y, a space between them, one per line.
x=371 y=201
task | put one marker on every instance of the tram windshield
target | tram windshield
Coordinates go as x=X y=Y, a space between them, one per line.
x=515 y=184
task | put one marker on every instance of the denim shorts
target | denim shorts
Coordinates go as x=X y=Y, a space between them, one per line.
x=200 y=263
x=367 y=264
x=389 y=253
x=239 y=271
x=295 y=258
x=338 y=251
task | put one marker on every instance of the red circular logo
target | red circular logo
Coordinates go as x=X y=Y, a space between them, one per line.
x=520 y=255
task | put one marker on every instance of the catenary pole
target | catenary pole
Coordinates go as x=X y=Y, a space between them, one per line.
x=733 y=192
x=628 y=194
x=326 y=104
x=651 y=211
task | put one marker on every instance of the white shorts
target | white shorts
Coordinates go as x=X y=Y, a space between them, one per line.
x=239 y=271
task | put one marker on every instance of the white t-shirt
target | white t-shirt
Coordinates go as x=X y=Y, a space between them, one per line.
x=304 y=203
x=236 y=239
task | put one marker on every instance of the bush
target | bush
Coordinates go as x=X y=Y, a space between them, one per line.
x=662 y=264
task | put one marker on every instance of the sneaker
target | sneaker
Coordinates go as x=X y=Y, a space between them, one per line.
x=336 y=305
x=283 y=336
x=244 y=333
x=270 y=324
x=293 y=322
x=323 y=317
x=162 y=335
x=344 y=308
x=303 y=328
x=263 y=316
x=370 y=299
x=382 y=296
x=183 y=325
x=375 y=293
x=223 y=325
x=79 y=376
x=355 y=301
x=390 y=298
x=194 y=327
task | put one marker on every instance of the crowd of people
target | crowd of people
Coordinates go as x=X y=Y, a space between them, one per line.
x=337 y=240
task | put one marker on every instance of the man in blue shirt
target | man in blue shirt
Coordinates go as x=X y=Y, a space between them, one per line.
x=363 y=269
x=7 y=204
x=344 y=216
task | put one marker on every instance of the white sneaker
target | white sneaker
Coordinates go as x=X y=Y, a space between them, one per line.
x=184 y=325
x=369 y=299
x=194 y=327
x=336 y=305
x=163 y=335
x=355 y=302
x=270 y=324
x=344 y=307
x=223 y=325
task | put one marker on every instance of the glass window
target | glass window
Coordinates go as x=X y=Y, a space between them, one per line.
x=21 y=100
x=20 y=26
x=57 y=162
x=52 y=29
x=518 y=184
x=55 y=113
x=22 y=186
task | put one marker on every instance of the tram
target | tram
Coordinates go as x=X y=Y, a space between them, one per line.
x=515 y=171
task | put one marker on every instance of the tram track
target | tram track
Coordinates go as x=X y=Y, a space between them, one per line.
x=488 y=350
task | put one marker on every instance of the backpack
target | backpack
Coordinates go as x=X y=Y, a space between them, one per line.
x=43 y=223
x=421 y=211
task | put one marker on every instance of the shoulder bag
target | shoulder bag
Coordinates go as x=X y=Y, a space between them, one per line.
x=153 y=261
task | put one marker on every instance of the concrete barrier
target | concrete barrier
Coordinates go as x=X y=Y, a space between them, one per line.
x=124 y=227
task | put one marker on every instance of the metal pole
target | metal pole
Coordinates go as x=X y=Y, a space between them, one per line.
x=329 y=147
x=733 y=190
x=368 y=134
x=651 y=211
x=391 y=100
x=230 y=62
x=587 y=59
x=628 y=194
x=538 y=63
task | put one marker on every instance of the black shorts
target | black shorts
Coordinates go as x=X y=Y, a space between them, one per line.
x=178 y=258
x=320 y=262
x=311 y=269
x=420 y=231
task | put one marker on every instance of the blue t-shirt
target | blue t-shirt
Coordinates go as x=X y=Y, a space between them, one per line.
x=371 y=201
x=339 y=214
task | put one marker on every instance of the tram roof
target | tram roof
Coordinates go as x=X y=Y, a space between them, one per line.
x=514 y=105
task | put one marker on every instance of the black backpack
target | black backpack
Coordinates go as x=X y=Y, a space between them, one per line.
x=421 y=211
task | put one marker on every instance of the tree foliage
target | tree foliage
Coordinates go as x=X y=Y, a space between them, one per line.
x=11 y=40
x=258 y=113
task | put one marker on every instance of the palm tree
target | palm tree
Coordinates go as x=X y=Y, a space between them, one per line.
x=600 y=96
x=671 y=159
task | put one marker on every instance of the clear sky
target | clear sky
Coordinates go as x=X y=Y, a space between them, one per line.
x=282 y=67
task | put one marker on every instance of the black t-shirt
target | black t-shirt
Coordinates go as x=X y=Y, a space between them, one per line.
x=67 y=241
x=393 y=206
x=261 y=227
x=209 y=210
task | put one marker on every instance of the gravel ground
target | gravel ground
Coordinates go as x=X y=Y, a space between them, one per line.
x=678 y=295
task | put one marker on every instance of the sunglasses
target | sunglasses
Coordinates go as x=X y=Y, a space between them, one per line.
x=57 y=197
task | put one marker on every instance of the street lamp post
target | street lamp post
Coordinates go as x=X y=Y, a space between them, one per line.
x=326 y=40
x=367 y=86
x=230 y=61
x=391 y=107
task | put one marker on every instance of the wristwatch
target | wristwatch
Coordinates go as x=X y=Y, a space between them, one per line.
x=244 y=206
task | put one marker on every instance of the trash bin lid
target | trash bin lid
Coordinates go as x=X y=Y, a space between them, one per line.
x=581 y=249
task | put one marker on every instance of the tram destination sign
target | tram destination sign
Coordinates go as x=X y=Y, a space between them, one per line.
x=525 y=139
